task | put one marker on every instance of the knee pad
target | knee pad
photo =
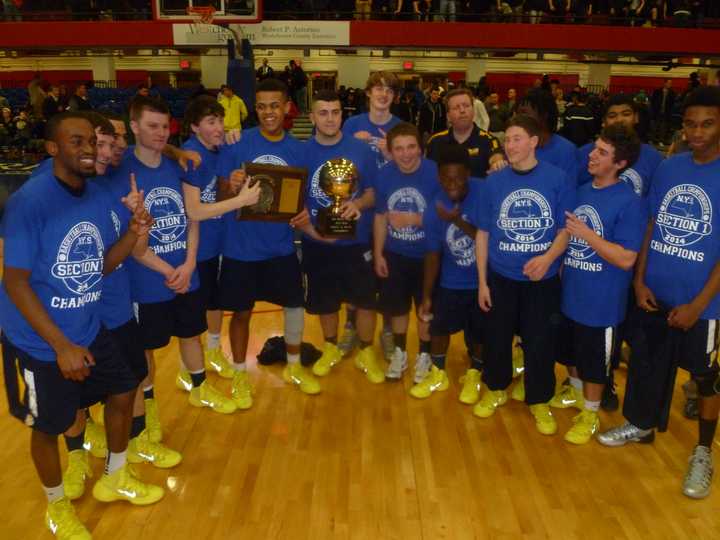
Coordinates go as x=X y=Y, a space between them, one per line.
x=294 y=324
x=707 y=385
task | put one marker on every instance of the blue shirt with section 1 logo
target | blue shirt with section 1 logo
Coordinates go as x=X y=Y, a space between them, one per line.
x=397 y=191
x=61 y=239
x=361 y=122
x=255 y=240
x=522 y=212
x=168 y=236
x=638 y=176
x=685 y=244
x=562 y=153
x=205 y=179
x=457 y=268
x=116 y=304
x=315 y=155
x=595 y=292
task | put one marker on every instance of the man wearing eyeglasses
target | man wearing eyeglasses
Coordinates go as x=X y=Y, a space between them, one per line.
x=486 y=154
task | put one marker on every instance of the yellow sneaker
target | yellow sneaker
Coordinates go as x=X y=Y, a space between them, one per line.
x=216 y=361
x=585 y=425
x=62 y=521
x=470 y=392
x=95 y=439
x=142 y=449
x=206 y=395
x=78 y=470
x=297 y=374
x=567 y=397
x=331 y=355
x=366 y=361
x=518 y=360
x=242 y=390
x=124 y=485
x=183 y=381
x=544 y=419
x=518 y=391
x=435 y=380
x=490 y=400
x=152 y=421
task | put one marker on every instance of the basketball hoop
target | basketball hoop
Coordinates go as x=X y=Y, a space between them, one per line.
x=201 y=14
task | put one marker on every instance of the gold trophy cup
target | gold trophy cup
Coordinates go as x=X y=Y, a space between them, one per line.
x=339 y=179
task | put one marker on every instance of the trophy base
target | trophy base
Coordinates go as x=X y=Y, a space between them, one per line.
x=332 y=226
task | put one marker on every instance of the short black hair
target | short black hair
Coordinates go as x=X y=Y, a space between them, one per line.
x=98 y=121
x=272 y=85
x=200 y=107
x=53 y=126
x=325 y=95
x=543 y=103
x=138 y=104
x=703 y=96
x=529 y=123
x=452 y=154
x=111 y=115
x=625 y=142
x=620 y=99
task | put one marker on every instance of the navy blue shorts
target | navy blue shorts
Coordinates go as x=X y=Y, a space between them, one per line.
x=403 y=284
x=591 y=349
x=182 y=317
x=50 y=401
x=277 y=280
x=454 y=310
x=209 y=274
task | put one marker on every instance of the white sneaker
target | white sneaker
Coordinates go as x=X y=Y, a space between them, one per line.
x=398 y=365
x=422 y=367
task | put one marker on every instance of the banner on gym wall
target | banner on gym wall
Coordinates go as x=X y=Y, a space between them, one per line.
x=298 y=33
x=191 y=34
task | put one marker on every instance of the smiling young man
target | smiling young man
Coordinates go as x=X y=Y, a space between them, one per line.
x=606 y=231
x=404 y=190
x=204 y=115
x=259 y=258
x=520 y=240
x=340 y=270
x=677 y=280
x=450 y=303
x=59 y=244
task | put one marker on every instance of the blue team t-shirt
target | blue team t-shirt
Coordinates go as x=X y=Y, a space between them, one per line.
x=685 y=243
x=522 y=213
x=168 y=236
x=115 y=303
x=595 y=292
x=205 y=179
x=397 y=191
x=638 y=176
x=562 y=153
x=457 y=267
x=254 y=240
x=45 y=166
x=315 y=155
x=361 y=122
x=62 y=240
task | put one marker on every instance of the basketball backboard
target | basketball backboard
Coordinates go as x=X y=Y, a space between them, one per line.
x=225 y=11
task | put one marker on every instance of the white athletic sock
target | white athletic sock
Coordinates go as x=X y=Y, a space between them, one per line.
x=593 y=406
x=293 y=358
x=54 y=493
x=115 y=461
x=239 y=367
x=213 y=341
x=576 y=383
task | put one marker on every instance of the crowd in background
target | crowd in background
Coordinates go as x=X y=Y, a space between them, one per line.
x=615 y=12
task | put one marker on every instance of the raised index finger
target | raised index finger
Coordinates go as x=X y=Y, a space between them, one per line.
x=133 y=183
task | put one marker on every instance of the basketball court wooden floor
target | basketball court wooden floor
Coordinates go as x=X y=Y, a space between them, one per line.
x=363 y=461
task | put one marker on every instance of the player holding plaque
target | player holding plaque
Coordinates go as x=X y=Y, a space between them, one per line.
x=340 y=269
x=259 y=259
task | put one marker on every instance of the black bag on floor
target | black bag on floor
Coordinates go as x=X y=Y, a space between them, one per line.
x=273 y=352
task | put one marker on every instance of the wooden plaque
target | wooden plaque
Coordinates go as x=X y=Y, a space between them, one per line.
x=282 y=192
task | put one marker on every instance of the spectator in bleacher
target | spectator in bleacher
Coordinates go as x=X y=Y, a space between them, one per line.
x=558 y=9
x=143 y=90
x=661 y=106
x=7 y=127
x=350 y=104
x=560 y=102
x=480 y=114
x=618 y=11
x=535 y=10
x=406 y=10
x=497 y=124
x=52 y=105
x=508 y=108
x=36 y=94
x=299 y=85
x=264 y=71
x=4 y=103
x=235 y=110
x=422 y=10
x=447 y=11
x=581 y=10
x=578 y=120
x=79 y=100
x=362 y=10
x=407 y=109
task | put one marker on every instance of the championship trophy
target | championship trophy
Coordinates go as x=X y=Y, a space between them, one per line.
x=339 y=179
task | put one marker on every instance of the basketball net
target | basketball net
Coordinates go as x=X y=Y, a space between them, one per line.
x=201 y=14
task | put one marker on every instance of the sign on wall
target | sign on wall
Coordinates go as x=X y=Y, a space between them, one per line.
x=192 y=34
x=298 y=33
